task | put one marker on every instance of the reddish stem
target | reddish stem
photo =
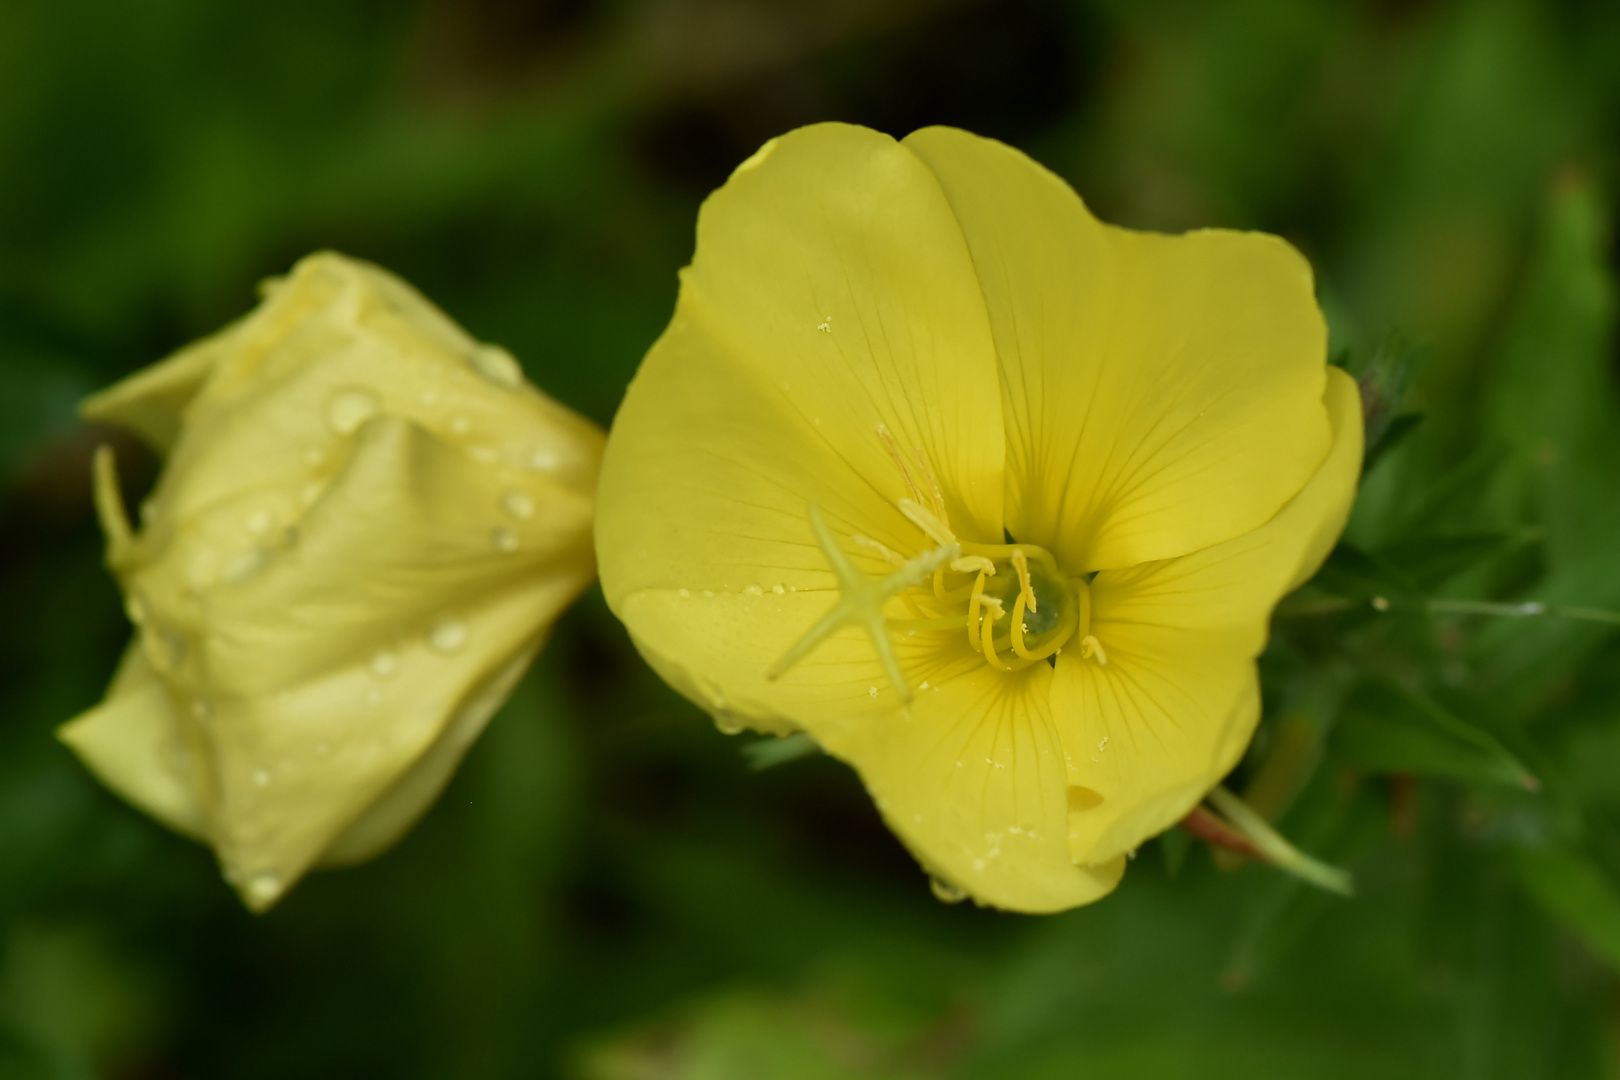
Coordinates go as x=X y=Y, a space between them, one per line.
x=1217 y=833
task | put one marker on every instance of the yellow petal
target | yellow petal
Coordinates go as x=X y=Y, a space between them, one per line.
x=330 y=688
x=135 y=744
x=1170 y=712
x=830 y=293
x=152 y=402
x=970 y=776
x=1161 y=392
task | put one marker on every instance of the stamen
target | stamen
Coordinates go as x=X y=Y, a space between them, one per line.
x=973 y=612
x=1017 y=634
x=899 y=457
x=861 y=602
x=890 y=557
x=934 y=492
x=920 y=516
x=1026 y=591
x=1090 y=646
x=986 y=629
x=971 y=564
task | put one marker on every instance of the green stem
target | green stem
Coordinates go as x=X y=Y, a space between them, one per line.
x=1278 y=851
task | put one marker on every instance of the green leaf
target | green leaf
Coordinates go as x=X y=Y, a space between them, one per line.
x=1399 y=428
x=1387 y=729
x=1431 y=561
x=1574 y=891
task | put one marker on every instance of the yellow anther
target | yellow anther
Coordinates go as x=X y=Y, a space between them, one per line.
x=891 y=557
x=1026 y=591
x=972 y=564
x=920 y=516
x=1090 y=646
x=1018 y=627
x=861 y=602
x=934 y=493
x=900 y=462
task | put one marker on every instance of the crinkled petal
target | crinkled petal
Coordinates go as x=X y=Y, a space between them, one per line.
x=135 y=743
x=1161 y=392
x=830 y=293
x=1153 y=729
x=327 y=689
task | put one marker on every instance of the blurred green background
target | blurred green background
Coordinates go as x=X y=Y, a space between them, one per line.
x=606 y=892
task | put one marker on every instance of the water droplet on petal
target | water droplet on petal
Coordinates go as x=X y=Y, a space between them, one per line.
x=448 y=635
x=244 y=566
x=519 y=504
x=945 y=892
x=384 y=663
x=349 y=408
x=261 y=777
x=504 y=539
x=258 y=523
x=754 y=590
x=201 y=709
x=314 y=457
x=485 y=453
x=544 y=460
x=264 y=887
x=778 y=590
x=459 y=425
x=871 y=691
x=496 y=364
x=322 y=749
x=373 y=696
x=683 y=593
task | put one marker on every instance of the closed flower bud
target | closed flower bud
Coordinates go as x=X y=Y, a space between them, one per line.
x=366 y=526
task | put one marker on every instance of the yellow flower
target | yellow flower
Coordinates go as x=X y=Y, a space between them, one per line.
x=991 y=499
x=365 y=528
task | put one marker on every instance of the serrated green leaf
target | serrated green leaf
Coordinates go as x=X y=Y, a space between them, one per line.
x=1573 y=890
x=1386 y=728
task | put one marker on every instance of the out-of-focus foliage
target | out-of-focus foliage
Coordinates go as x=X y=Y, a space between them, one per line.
x=606 y=890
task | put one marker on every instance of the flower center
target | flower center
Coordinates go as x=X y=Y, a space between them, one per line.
x=1015 y=604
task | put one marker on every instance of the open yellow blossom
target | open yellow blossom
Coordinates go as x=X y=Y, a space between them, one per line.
x=990 y=498
x=366 y=526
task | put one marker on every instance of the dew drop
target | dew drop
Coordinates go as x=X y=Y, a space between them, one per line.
x=543 y=460
x=448 y=635
x=314 y=457
x=519 y=504
x=349 y=408
x=709 y=593
x=258 y=523
x=201 y=709
x=244 y=566
x=264 y=887
x=871 y=691
x=496 y=364
x=373 y=696
x=778 y=590
x=322 y=749
x=261 y=777
x=459 y=425
x=945 y=892
x=485 y=453
x=683 y=593
x=384 y=663
x=504 y=539
x=754 y=590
